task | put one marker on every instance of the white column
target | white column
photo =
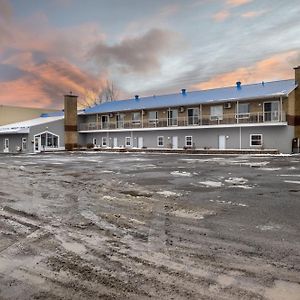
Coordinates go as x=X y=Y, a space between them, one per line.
x=237 y=112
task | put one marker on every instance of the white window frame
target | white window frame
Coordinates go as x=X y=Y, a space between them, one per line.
x=163 y=141
x=256 y=134
x=216 y=116
x=94 y=141
x=130 y=141
x=133 y=119
x=151 y=120
x=194 y=117
x=106 y=126
x=242 y=115
x=24 y=142
x=186 y=139
x=104 y=141
x=40 y=136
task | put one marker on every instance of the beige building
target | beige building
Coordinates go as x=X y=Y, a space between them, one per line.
x=13 y=114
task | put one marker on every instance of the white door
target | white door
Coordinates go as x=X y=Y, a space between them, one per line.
x=6 y=145
x=37 y=144
x=222 y=142
x=174 y=142
x=115 y=145
x=140 y=142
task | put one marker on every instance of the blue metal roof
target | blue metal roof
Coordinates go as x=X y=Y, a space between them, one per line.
x=242 y=92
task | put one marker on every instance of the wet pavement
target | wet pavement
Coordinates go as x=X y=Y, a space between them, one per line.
x=141 y=226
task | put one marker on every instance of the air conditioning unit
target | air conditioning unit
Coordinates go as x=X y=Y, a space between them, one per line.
x=181 y=109
x=227 y=105
x=111 y=115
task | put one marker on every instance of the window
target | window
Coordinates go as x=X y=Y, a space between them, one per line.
x=243 y=111
x=6 y=143
x=256 y=140
x=94 y=141
x=104 y=121
x=216 y=112
x=48 y=140
x=104 y=141
x=153 y=116
x=120 y=120
x=24 y=143
x=172 y=117
x=188 y=141
x=271 y=111
x=193 y=116
x=136 y=117
x=160 y=141
x=128 y=141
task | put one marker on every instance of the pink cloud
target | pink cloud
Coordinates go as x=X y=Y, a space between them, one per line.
x=235 y=3
x=252 y=14
x=221 y=15
x=279 y=66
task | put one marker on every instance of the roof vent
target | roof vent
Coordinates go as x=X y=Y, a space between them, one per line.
x=136 y=97
x=183 y=92
x=238 y=85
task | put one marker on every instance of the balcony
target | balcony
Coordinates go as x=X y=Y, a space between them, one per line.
x=273 y=117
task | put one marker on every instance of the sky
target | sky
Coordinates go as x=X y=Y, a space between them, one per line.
x=145 y=47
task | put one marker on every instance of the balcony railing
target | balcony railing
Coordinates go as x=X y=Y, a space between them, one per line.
x=205 y=120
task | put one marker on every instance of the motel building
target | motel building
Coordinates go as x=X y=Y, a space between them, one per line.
x=262 y=116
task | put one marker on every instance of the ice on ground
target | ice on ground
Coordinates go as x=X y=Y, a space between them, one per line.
x=210 y=183
x=168 y=193
x=236 y=180
x=269 y=227
x=290 y=175
x=270 y=169
x=183 y=174
x=292 y=181
x=183 y=213
x=229 y=203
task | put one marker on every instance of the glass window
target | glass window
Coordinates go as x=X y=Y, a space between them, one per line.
x=189 y=141
x=136 y=117
x=6 y=143
x=128 y=141
x=24 y=143
x=243 y=110
x=172 y=117
x=216 y=112
x=104 y=141
x=153 y=115
x=95 y=141
x=120 y=120
x=256 y=139
x=160 y=141
x=193 y=116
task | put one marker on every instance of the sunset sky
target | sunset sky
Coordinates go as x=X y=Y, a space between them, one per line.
x=146 y=47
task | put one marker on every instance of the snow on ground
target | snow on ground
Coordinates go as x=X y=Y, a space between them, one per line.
x=183 y=213
x=210 y=183
x=183 y=174
x=292 y=181
x=270 y=169
x=229 y=203
x=168 y=193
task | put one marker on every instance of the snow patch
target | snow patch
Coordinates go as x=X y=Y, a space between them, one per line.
x=229 y=203
x=210 y=183
x=183 y=213
x=183 y=174
x=168 y=193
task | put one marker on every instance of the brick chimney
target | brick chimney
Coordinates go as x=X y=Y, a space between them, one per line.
x=71 y=135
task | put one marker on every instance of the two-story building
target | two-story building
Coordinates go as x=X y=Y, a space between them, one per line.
x=253 y=116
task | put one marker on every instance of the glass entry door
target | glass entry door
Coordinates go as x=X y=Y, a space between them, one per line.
x=271 y=111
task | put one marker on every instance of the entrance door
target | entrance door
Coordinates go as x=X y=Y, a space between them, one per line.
x=115 y=142
x=140 y=142
x=271 y=111
x=37 y=144
x=6 y=145
x=174 y=142
x=222 y=142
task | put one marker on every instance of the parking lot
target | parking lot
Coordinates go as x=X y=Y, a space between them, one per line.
x=137 y=226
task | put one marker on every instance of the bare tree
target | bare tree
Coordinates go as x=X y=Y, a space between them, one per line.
x=109 y=92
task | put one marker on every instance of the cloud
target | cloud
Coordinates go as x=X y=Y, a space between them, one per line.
x=140 y=54
x=253 y=14
x=221 y=16
x=44 y=85
x=279 y=66
x=5 y=18
x=235 y=3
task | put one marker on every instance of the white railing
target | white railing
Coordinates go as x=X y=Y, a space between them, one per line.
x=204 y=120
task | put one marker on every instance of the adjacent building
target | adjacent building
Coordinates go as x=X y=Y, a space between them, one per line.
x=255 y=116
